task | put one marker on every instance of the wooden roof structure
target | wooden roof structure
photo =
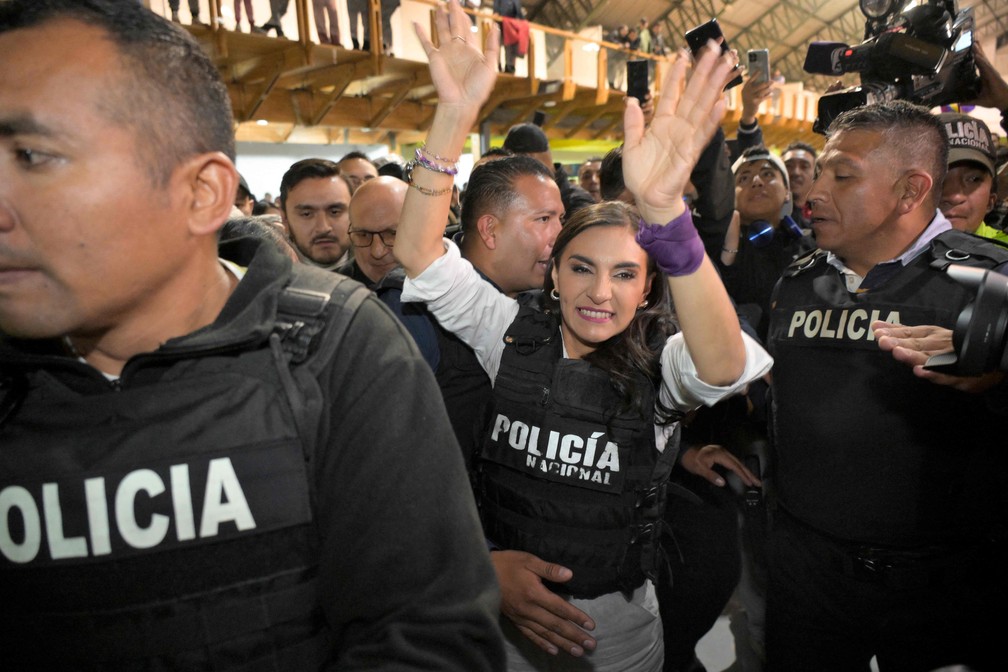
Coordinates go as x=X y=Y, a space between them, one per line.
x=300 y=90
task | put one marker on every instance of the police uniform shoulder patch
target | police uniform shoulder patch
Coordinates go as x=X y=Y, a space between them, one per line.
x=804 y=263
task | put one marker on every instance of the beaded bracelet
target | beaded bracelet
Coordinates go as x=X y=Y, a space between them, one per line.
x=424 y=162
x=430 y=192
x=423 y=148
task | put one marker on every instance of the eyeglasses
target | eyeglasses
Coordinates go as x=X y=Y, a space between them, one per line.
x=365 y=238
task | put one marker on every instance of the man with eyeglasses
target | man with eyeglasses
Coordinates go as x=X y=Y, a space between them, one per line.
x=374 y=215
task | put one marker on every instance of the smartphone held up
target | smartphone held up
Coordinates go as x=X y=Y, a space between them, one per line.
x=698 y=37
x=637 y=79
x=759 y=64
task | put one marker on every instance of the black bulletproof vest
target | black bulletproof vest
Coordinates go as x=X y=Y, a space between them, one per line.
x=464 y=384
x=566 y=474
x=867 y=451
x=168 y=523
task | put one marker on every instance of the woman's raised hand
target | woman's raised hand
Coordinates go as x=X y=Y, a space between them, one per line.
x=462 y=73
x=658 y=160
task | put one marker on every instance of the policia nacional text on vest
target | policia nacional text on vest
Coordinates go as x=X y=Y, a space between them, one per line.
x=565 y=474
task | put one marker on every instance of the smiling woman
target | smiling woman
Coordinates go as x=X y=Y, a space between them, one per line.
x=590 y=383
x=605 y=288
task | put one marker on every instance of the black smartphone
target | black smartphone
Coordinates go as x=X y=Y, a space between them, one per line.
x=698 y=37
x=637 y=79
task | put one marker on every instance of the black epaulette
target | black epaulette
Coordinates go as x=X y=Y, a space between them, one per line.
x=957 y=247
x=804 y=263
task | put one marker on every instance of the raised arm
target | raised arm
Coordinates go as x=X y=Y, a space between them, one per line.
x=657 y=163
x=464 y=76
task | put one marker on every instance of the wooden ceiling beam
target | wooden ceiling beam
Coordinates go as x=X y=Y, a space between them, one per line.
x=392 y=103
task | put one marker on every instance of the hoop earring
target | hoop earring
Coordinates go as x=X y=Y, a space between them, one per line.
x=554 y=294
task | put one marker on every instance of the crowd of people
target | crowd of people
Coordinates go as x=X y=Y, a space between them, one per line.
x=552 y=423
x=643 y=38
x=326 y=14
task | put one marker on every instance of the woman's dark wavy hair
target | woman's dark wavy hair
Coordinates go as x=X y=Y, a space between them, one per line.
x=638 y=348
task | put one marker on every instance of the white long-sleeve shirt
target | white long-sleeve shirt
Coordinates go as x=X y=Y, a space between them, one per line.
x=475 y=311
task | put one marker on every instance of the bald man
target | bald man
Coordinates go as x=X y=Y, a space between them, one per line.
x=374 y=216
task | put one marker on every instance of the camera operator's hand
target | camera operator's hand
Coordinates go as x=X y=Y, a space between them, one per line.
x=838 y=85
x=993 y=87
x=913 y=346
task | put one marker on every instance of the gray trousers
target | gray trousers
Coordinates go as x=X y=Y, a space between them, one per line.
x=628 y=631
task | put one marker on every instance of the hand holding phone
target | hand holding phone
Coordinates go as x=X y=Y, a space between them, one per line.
x=637 y=79
x=759 y=64
x=698 y=37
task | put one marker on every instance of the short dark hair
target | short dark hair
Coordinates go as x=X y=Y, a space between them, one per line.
x=307 y=169
x=257 y=228
x=260 y=207
x=798 y=144
x=577 y=198
x=526 y=139
x=243 y=189
x=912 y=135
x=611 y=183
x=171 y=93
x=392 y=169
x=356 y=155
x=498 y=152
x=491 y=187
x=594 y=159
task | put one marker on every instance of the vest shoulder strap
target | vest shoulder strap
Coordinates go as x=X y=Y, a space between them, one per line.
x=957 y=247
x=314 y=312
x=312 y=299
x=532 y=330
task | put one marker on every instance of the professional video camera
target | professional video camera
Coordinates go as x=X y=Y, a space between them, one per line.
x=923 y=54
x=980 y=337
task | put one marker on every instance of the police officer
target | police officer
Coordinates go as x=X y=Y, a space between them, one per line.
x=889 y=540
x=205 y=464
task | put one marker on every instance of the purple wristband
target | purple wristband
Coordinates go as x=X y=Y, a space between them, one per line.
x=675 y=247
